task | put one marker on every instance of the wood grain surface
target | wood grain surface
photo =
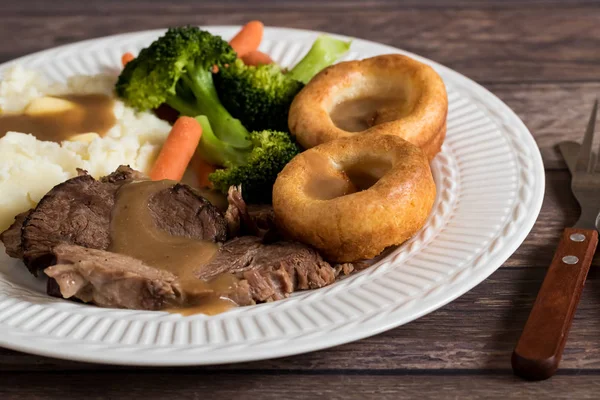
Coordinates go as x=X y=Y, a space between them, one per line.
x=539 y=56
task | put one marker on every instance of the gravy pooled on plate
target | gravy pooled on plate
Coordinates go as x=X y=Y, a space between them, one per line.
x=60 y=118
x=133 y=232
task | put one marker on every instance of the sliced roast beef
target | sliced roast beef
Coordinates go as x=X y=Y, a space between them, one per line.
x=233 y=217
x=12 y=236
x=78 y=211
x=271 y=271
x=254 y=220
x=345 y=269
x=112 y=280
x=264 y=272
x=263 y=216
x=237 y=215
x=68 y=235
x=122 y=174
x=264 y=219
x=181 y=212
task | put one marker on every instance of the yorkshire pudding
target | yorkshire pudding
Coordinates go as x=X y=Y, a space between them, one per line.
x=390 y=94
x=353 y=197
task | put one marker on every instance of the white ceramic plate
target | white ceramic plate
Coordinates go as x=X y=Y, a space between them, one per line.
x=490 y=181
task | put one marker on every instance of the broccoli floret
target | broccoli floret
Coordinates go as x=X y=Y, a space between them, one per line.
x=259 y=96
x=257 y=169
x=176 y=69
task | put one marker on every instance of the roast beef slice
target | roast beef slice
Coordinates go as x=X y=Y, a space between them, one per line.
x=79 y=210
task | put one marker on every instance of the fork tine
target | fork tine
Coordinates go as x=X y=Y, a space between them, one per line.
x=585 y=151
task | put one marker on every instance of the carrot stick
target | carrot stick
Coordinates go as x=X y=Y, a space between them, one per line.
x=248 y=38
x=257 y=58
x=202 y=170
x=125 y=58
x=178 y=150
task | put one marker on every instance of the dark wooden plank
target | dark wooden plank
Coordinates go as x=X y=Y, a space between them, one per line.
x=252 y=386
x=504 y=44
x=92 y=7
x=553 y=112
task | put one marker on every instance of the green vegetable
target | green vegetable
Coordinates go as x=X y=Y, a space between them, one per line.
x=257 y=169
x=176 y=69
x=260 y=96
x=217 y=152
x=324 y=52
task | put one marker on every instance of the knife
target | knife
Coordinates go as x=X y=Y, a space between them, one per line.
x=540 y=347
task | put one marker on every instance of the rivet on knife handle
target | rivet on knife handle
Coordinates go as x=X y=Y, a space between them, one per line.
x=541 y=345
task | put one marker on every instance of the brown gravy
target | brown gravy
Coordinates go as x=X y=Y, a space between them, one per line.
x=326 y=181
x=360 y=114
x=213 y=306
x=90 y=113
x=134 y=233
x=366 y=173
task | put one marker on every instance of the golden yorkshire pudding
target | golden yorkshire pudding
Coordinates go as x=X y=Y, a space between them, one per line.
x=390 y=94
x=353 y=197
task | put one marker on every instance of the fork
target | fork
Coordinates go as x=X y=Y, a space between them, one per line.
x=540 y=347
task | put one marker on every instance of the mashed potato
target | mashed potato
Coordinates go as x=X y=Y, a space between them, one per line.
x=29 y=168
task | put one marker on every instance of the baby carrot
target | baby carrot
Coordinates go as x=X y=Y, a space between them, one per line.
x=248 y=38
x=256 y=58
x=125 y=58
x=202 y=170
x=178 y=150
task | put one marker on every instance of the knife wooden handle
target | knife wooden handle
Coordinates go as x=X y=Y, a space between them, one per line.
x=541 y=345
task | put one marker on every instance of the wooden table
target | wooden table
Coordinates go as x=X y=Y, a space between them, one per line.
x=541 y=57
